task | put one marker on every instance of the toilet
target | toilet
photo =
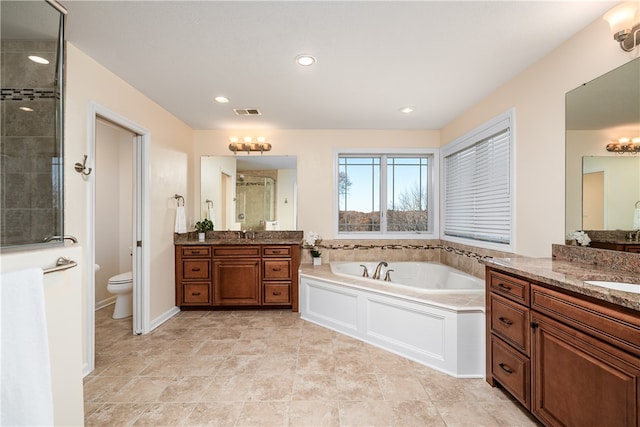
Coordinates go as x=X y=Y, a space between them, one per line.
x=122 y=286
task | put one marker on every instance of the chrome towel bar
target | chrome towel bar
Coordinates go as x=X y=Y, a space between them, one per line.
x=63 y=263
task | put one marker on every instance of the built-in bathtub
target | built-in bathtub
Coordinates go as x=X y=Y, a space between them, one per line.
x=427 y=276
x=440 y=326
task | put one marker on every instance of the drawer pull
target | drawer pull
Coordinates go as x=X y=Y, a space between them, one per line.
x=277 y=293
x=506 y=368
x=195 y=269
x=276 y=269
x=506 y=321
x=504 y=287
x=195 y=294
x=195 y=252
x=276 y=252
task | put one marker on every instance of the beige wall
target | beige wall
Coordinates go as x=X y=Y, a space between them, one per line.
x=314 y=150
x=538 y=97
x=171 y=142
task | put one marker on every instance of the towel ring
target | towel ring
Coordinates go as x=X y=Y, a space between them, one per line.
x=637 y=203
x=178 y=198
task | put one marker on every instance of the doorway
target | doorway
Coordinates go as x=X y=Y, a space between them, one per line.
x=593 y=200
x=139 y=230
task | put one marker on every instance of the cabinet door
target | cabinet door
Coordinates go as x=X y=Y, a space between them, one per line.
x=236 y=282
x=579 y=380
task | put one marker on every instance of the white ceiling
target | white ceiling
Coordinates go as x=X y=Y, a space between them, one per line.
x=375 y=57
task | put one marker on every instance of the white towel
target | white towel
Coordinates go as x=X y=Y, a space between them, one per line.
x=181 y=220
x=24 y=360
x=636 y=219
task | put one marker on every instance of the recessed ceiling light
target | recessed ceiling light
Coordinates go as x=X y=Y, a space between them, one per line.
x=305 y=59
x=26 y=109
x=38 y=59
x=221 y=99
x=407 y=110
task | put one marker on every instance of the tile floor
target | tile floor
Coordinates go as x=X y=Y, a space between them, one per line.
x=270 y=368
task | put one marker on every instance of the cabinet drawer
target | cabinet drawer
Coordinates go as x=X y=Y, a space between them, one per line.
x=196 y=251
x=236 y=251
x=512 y=370
x=276 y=251
x=196 y=269
x=511 y=322
x=195 y=293
x=611 y=324
x=276 y=269
x=277 y=293
x=514 y=288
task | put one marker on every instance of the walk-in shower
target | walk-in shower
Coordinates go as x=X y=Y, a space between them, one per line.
x=31 y=206
x=255 y=199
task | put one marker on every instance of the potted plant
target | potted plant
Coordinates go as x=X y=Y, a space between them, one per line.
x=311 y=241
x=202 y=227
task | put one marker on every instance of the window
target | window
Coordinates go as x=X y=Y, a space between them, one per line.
x=385 y=193
x=477 y=177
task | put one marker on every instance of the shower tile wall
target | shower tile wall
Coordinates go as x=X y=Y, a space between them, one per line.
x=30 y=155
x=256 y=196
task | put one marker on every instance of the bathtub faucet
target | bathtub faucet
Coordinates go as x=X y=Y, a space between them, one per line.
x=376 y=274
x=365 y=273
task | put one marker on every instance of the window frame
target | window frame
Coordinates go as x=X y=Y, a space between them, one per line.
x=433 y=197
x=477 y=135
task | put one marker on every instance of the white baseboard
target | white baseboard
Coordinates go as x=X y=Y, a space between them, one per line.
x=105 y=302
x=163 y=318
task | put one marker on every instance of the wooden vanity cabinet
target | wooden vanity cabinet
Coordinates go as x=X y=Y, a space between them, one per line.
x=582 y=366
x=238 y=275
x=508 y=335
x=626 y=247
x=193 y=275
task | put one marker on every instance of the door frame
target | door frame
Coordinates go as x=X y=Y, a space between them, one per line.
x=140 y=235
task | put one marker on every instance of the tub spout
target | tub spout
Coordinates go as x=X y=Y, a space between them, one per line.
x=376 y=274
x=365 y=273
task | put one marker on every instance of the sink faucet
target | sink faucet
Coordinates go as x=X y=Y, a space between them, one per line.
x=376 y=274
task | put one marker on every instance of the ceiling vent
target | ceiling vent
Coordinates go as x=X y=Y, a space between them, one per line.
x=247 y=112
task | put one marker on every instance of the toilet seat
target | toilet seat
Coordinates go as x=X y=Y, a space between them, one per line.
x=121 y=278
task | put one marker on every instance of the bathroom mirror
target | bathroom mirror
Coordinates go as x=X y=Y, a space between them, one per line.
x=249 y=192
x=597 y=113
x=32 y=43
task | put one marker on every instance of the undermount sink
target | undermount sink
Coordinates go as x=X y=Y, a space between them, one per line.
x=618 y=286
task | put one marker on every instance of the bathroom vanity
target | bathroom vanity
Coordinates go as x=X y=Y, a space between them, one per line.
x=567 y=351
x=232 y=272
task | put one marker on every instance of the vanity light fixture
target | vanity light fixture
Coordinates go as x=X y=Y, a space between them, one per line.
x=305 y=59
x=625 y=145
x=249 y=145
x=38 y=59
x=624 y=21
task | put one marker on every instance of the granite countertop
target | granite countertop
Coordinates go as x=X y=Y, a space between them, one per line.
x=238 y=238
x=571 y=276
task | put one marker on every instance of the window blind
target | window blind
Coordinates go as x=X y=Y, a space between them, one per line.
x=478 y=191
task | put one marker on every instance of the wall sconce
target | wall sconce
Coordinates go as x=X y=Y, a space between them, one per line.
x=625 y=25
x=625 y=145
x=249 y=145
